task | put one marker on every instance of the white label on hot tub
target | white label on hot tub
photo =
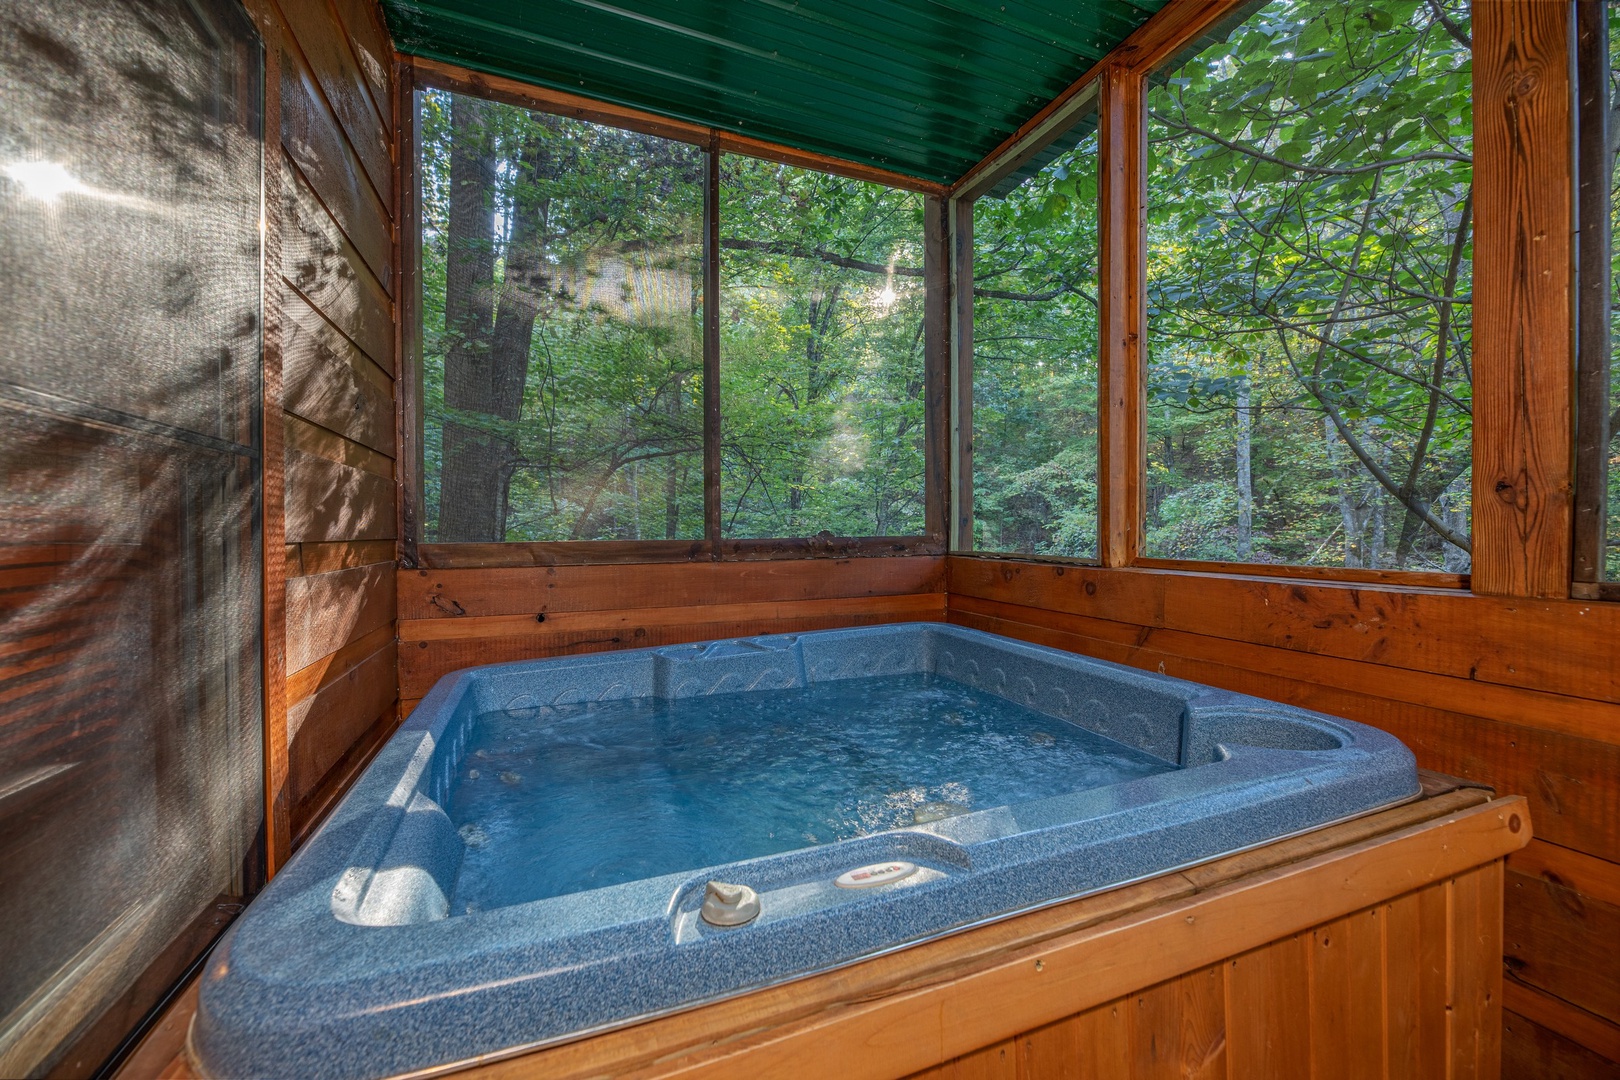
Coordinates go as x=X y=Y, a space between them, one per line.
x=867 y=877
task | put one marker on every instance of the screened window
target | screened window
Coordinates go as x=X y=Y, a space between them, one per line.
x=1309 y=264
x=565 y=363
x=561 y=328
x=1035 y=354
x=821 y=346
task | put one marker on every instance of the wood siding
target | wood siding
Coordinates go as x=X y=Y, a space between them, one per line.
x=457 y=618
x=331 y=364
x=1518 y=694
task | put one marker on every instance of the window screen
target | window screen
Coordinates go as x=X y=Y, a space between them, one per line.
x=130 y=686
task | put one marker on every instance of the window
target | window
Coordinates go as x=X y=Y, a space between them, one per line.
x=564 y=366
x=562 y=328
x=1309 y=267
x=1035 y=354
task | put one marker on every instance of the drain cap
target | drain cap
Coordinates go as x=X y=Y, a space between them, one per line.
x=725 y=904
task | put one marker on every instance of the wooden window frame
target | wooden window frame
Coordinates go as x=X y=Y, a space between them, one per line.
x=415 y=553
x=1524 y=366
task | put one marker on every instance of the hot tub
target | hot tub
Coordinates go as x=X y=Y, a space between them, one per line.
x=528 y=859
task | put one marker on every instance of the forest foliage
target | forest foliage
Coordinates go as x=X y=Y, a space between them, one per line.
x=1309 y=384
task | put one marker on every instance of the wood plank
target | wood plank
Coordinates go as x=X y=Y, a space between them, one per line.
x=1569 y=646
x=1593 y=1032
x=323 y=558
x=921 y=606
x=936 y=367
x=1268 y=1022
x=1476 y=1018
x=1524 y=312
x=1570 y=781
x=323 y=672
x=944 y=1014
x=1051 y=1052
x=1530 y=1050
x=313 y=807
x=331 y=502
x=1563 y=942
x=319 y=262
x=307 y=438
x=1103 y=1037
x=1122 y=316
x=373 y=52
x=1178 y=1028
x=325 y=48
x=1580 y=717
x=328 y=611
x=1568 y=869
x=323 y=727
x=444 y=594
x=961 y=377
x=998 y=1062
x=423 y=663
x=1420 y=579
x=1345 y=962
x=311 y=137
x=330 y=382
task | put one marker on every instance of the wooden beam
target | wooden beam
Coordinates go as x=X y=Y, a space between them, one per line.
x=443 y=76
x=960 y=536
x=936 y=367
x=1524 y=156
x=1122 y=317
x=1596 y=161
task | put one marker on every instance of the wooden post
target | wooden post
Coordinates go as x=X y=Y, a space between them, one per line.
x=1122 y=383
x=937 y=310
x=711 y=348
x=1524 y=342
x=1592 y=393
x=960 y=536
x=408 y=329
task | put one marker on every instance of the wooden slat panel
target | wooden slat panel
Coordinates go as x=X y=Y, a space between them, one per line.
x=322 y=728
x=326 y=49
x=1581 y=717
x=327 y=501
x=1596 y=878
x=1476 y=1018
x=373 y=52
x=309 y=810
x=327 y=611
x=1564 y=943
x=317 y=676
x=1523 y=299
x=1569 y=781
x=1268 y=1021
x=1569 y=646
x=439 y=594
x=312 y=139
x=323 y=558
x=1593 y=1032
x=1051 y=1052
x=1530 y=1050
x=307 y=438
x=318 y=261
x=1103 y=1038
x=332 y=383
x=1178 y=1028
x=1346 y=964
x=422 y=663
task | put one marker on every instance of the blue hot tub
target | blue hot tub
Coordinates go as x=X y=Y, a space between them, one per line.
x=529 y=859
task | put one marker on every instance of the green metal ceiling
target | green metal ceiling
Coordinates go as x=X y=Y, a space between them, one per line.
x=921 y=87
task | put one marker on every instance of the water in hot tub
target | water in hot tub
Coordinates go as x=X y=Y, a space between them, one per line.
x=560 y=800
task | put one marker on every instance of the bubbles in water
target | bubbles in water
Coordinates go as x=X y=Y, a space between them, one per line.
x=937 y=811
x=472 y=774
x=473 y=835
x=1042 y=738
x=507 y=776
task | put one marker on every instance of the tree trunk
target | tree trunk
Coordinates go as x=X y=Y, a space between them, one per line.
x=487 y=360
x=1245 y=474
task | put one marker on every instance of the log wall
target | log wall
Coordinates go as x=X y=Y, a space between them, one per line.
x=331 y=363
x=1515 y=693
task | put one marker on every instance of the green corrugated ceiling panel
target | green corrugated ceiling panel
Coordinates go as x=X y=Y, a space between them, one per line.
x=922 y=87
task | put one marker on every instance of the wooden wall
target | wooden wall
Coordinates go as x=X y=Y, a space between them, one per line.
x=331 y=362
x=451 y=619
x=1519 y=694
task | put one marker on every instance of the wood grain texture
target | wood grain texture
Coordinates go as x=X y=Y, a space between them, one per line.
x=325 y=47
x=330 y=382
x=321 y=263
x=373 y=52
x=1523 y=299
x=328 y=611
x=1564 y=942
x=1110 y=986
x=1596 y=1034
x=328 y=502
x=315 y=142
x=323 y=727
x=1122 y=316
x=437 y=594
x=1533 y=1051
